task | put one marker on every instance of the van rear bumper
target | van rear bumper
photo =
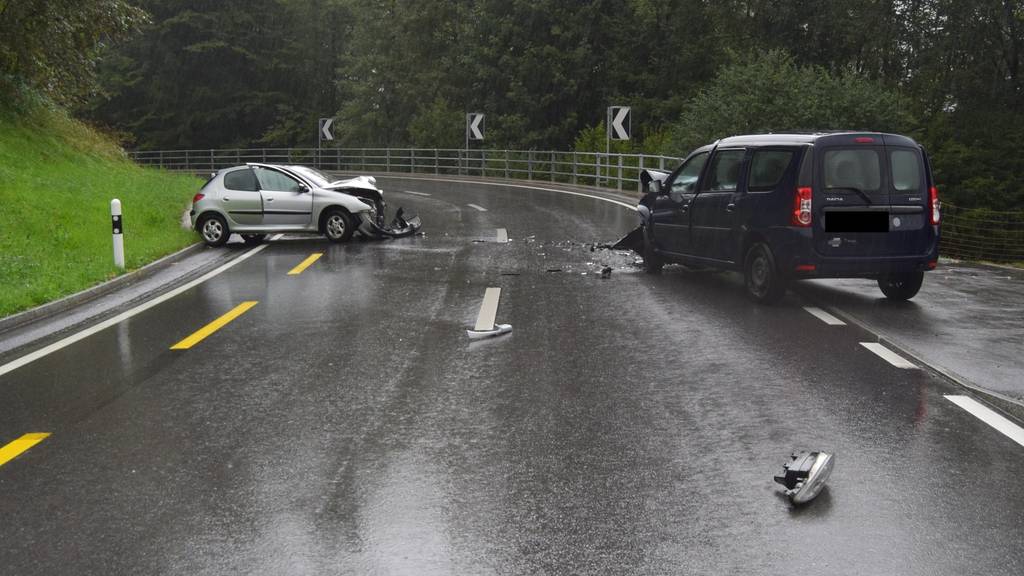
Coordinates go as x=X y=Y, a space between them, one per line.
x=795 y=254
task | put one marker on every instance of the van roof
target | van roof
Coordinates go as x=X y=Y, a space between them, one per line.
x=837 y=137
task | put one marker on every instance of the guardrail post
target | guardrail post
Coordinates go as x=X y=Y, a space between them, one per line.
x=620 y=171
x=506 y=166
x=552 y=167
x=118 y=229
x=575 y=169
x=387 y=159
x=529 y=165
x=483 y=163
x=161 y=158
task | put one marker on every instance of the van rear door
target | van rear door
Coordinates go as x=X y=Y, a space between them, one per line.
x=864 y=204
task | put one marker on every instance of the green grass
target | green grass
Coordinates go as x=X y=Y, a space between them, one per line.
x=57 y=177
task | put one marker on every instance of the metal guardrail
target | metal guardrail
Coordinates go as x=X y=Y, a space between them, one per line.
x=614 y=171
x=973 y=234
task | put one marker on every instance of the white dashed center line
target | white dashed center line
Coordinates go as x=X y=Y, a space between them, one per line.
x=989 y=416
x=480 y=208
x=824 y=316
x=888 y=355
x=502 y=236
x=416 y=193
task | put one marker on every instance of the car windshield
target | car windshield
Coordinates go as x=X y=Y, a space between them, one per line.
x=312 y=174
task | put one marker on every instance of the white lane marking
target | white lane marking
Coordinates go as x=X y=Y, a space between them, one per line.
x=989 y=416
x=824 y=316
x=480 y=208
x=888 y=355
x=481 y=183
x=488 y=310
x=416 y=193
x=502 y=236
x=276 y=237
x=69 y=340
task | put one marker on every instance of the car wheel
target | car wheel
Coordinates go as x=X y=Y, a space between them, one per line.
x=213 y=229
x=761 y=276
x=652 y=262
x=254 y=239
x=901 y=286
x=338 y=226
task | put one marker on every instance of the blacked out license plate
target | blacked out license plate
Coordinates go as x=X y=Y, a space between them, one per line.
x=853 y=221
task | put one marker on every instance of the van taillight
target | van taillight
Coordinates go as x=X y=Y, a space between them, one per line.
x=199 y=196
x=802 y=207
x=934 y=204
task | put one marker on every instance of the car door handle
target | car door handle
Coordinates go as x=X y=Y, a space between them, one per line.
x=270 y=199
x=684 y=208
x=226 y=199
x=730 y=207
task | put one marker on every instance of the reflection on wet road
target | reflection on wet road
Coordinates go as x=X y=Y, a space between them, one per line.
x=630 y=424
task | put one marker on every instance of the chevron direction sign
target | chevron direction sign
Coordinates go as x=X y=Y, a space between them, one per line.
x=474 y=126
x=619 y=122
x=325 y=129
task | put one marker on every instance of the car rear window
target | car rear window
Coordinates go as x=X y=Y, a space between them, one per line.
x=767 y=168
x=906 y=170
x=243 y=180
x=859 y=169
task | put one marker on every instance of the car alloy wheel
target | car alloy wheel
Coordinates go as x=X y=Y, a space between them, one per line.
x=213 y=231
x=336 y=226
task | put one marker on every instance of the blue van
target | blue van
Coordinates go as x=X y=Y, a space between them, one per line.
x=783 y=207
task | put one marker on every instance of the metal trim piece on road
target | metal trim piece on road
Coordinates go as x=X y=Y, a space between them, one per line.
x=305 y=264
x=488 y=310
x=824 y=316
x=989 y=416
x=15 y=448
x=888 y=355
x=201 y=334
x=416 y=193
x=502 y=236
x=475 y=207
x=65 y=342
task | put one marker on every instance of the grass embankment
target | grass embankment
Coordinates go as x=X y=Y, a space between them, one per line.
x=57 y=177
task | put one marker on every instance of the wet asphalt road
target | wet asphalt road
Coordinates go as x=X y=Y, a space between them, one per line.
x=346 y=425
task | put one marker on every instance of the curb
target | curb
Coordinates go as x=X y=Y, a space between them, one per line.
x=68 y=302
x=1007 y=405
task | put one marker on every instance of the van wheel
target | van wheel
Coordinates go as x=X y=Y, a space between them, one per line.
x=652 y=262
x=761 y=277
x=901 y=286
x=213 y=229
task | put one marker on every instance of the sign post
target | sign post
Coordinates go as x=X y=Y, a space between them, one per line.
x=323 y=132
x=474 y=131
x=619 y=125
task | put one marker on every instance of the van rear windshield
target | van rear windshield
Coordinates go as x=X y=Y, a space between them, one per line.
x=859 y=169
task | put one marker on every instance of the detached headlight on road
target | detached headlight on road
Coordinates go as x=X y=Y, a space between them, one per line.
x=805 y=475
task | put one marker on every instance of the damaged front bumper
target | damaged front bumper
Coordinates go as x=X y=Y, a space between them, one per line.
x=372 y=225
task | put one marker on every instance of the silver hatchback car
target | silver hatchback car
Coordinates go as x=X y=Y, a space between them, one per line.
x=258 y=199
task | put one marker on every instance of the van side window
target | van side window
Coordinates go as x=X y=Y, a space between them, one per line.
x=767 y=168
x=243 y=180
x=685 y=181
x=724 y=174
x=906 y=171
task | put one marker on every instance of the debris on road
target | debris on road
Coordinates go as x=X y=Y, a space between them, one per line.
x=606 y=272
x=805 y=475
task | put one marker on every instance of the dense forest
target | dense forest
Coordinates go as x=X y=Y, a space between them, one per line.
x=167 y=74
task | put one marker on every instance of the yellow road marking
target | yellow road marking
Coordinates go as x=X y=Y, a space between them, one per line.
x=12 y=450
x=305 y=263
x=212 y=327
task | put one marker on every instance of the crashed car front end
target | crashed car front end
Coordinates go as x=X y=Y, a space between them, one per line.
x=373 y=223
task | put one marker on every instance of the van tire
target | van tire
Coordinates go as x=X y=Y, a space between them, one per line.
x=761 y=276
x=901 y=286
x=652 y=262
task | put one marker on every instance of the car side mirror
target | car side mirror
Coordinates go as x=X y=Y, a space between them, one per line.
x=654 y=187
x=303 y=188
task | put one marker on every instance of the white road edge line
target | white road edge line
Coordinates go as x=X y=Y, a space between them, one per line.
x=69 y=340
x=989 y=416
x=482 y=183
x=888 y=355
x=488 y=310
x=824 y=316
x=416 y=193
x=475 y=207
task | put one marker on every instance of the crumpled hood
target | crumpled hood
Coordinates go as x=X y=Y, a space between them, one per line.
x=364 y=182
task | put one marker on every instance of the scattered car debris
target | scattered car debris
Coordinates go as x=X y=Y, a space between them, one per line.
x=553 y=270
x=805 y=475
x=606 y=272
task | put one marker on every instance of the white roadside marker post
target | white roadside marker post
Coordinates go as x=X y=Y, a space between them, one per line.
x=118 y=228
